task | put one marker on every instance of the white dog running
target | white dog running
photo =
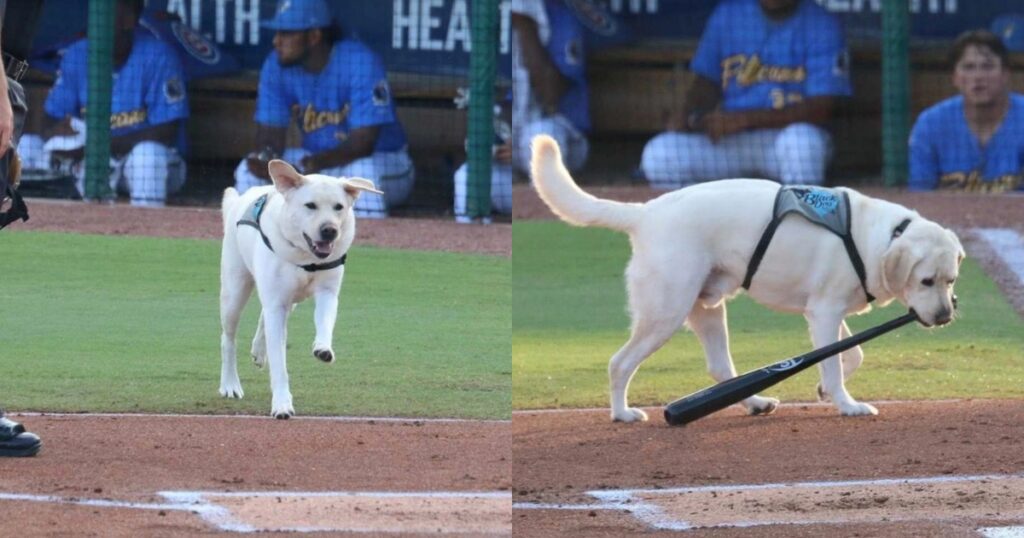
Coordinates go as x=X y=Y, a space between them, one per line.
x=290 y=240
x=692 y=247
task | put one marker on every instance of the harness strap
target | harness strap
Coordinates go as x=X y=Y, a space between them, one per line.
x=257 y=213
x=846 y=236
x=762 y=245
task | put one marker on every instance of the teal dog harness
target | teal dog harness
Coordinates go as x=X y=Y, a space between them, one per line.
x=827 y=208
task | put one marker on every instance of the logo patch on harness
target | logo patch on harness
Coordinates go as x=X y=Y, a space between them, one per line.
x=821 y=201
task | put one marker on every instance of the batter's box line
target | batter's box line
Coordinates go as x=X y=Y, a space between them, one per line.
x=224 y=520
x=649 y=513
x=199 y=503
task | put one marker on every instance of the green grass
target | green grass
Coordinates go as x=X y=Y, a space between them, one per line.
x=569 y=317
x=131 y=324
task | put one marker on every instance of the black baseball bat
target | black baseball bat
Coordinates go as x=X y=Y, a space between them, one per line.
x=716 y=397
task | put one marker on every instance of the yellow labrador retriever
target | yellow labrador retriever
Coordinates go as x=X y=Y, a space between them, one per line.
x=289 y=240
x=692 y=250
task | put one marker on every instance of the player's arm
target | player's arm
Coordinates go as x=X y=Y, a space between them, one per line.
x=360 y=143
x=701 y=98
x=269 y=145
x=546 y=80
x=720 y=123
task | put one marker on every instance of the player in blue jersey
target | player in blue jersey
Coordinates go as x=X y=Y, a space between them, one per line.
x=973 y=141
x=501 y=165
x=549 y=81
x=148 y=105
x=767 y=75
x=344 y=108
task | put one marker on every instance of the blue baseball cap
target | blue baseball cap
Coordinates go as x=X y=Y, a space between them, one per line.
x=1010 y=28
x=293 y=15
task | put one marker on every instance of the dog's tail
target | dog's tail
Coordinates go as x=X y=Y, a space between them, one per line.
x=560 y=192
x=231 y=197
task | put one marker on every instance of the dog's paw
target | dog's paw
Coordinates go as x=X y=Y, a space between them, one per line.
x=231 y=390
x=630 y=414
x=822 y=395
x=259 y=355
x=857 y=409
x=281 y=408
x=324 y=354
x=759 y=405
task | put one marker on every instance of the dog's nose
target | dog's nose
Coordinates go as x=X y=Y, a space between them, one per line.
x=943 y=317
x=328 y=233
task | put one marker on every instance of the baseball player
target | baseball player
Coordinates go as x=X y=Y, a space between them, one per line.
x=973 y=141
x=767 y=76
x=17 y=27
x=501 y=166
x=549 y=81
x=345 y=111
x=148 y=105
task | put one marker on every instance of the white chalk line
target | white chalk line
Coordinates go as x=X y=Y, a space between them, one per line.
x=630 y=501
x=262 y=417
x=1008 y=245
x=200 y=503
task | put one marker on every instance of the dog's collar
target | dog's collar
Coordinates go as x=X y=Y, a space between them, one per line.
x=901 y=228
x=256 y=213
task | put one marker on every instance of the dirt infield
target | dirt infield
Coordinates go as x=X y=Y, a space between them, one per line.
x=127 y=461
x=559 y=458
x=193 y=476
x=928 y=469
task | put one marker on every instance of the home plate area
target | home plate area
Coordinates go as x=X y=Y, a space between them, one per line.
x=478 y=513
x=990 y=498
x=372 y=512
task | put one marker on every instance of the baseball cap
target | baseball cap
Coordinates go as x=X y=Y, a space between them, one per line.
x=291 y=15
x=1010 y=28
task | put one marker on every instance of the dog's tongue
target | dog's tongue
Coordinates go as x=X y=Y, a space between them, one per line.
x=322 y=248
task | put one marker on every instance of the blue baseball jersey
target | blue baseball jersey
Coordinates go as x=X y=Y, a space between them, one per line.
x=566 y=50
x=944 y=153
x=766 y=64
x=148 y=89
x=350 y=92
x=561 y=34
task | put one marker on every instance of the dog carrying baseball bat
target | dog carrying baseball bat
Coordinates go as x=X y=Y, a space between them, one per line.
x=717 y=397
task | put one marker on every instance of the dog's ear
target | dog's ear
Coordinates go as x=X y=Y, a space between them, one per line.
x=897 y=263
x=284 y=175
x=354 y=185
x=960 y=254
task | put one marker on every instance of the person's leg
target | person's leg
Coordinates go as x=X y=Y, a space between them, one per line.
x=15 y=441
x=673 y=160
x=392 y=172
x=802 y=151
x=146 y=174
x=33 y=156
x=501 y=188
x=245 y=180
x=460 y=182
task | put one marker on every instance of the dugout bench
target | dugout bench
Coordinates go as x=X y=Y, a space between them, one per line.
x=633 y=88
x=221 y=131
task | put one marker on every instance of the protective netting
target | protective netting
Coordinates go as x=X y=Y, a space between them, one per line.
x=203 y=94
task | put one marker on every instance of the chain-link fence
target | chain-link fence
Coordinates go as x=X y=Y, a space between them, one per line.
x=169 y=102
x=820 y=92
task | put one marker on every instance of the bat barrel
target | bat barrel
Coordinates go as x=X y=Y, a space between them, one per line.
x=718 y=397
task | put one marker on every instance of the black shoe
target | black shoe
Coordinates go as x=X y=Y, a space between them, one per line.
x=15 y=442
